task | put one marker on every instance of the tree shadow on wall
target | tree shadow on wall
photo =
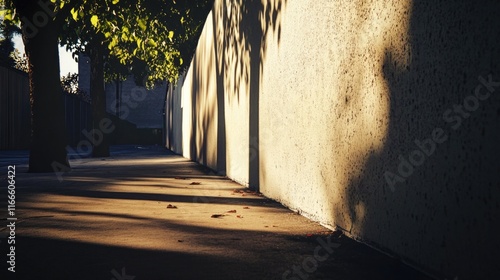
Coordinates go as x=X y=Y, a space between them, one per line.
x=240 y=29
x=439 y=212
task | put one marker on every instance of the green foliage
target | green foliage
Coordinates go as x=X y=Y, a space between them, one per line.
x=150 y=38
x=94 y=20
x=158 y=33
x=20 y=61
x=7 y=12
x=69 y=84
x=7 y=31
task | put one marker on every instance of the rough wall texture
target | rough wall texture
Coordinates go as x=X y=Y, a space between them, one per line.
x=378 y=117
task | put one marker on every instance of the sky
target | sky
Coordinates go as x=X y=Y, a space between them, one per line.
x=67 y=63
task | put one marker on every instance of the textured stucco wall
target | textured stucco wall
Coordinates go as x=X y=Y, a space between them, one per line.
x=377 y=117
x=199 y=105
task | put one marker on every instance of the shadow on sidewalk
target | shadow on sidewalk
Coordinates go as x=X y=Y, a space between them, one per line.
x=110 y=219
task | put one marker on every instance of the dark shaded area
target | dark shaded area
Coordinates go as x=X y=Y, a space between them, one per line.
x=352 y=260
x=63 y=259
x=219 y=50
x=100 y=144
x=78 y=117
x=163 y=197
x=168 y=119
x=193 y=145
x=60 y=259
x=15 y=120
x=127 y=133
x=75 y=260
x=48 y=131
x=254 y=39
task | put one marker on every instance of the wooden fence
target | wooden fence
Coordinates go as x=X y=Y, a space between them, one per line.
x=15 y=124
x=15 y=114
x=78 y=114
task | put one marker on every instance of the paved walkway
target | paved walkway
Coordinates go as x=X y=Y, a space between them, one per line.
x=146 y=213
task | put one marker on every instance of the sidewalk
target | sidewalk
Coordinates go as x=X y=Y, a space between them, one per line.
x=145 y=213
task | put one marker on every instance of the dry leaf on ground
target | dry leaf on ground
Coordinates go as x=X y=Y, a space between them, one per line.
x=217 y=216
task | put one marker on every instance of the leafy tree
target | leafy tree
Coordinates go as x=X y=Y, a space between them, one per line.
x=7 y=32
x=151 y=38
x=20 y=61
x=69 y=84
x=147 y=37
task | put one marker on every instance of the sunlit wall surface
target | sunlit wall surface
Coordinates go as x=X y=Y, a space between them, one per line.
x=377 y=117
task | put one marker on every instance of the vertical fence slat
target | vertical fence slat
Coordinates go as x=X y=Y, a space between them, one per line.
x=15 y=112
x=15 y=124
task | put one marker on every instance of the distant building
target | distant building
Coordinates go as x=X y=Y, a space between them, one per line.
x=136 y=104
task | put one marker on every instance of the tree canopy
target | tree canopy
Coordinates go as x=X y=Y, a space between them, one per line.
x=151 y=39
x=7 y=50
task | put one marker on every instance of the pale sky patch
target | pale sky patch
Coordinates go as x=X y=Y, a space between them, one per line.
x=66 y=62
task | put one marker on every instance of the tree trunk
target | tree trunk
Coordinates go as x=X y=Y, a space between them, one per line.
x=98 y=96
x=48 y=141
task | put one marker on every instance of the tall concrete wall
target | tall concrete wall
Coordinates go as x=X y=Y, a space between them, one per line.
x=377 y=117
